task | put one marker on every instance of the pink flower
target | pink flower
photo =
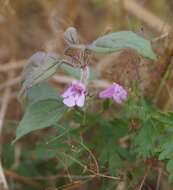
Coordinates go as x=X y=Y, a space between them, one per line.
x=75 y=94
x=115 y=91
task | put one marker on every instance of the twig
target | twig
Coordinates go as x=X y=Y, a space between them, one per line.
x=10 y=82
x=57 y=137
x=12 y=66
x=143 y=180
x=158 y=179
x=62 y=79
x=160 y=37
x=13 y=95
x=67 y=80
x=3 y=111
x=73 y=185
x=4 y=106
x=25 y=180
x=64 y=161
x=162 y=83
x=93 y=172
x=57 y=78
x=170 y=96
x=165 y=67
x=92 y=156
x=54 y=177
x=3 y=182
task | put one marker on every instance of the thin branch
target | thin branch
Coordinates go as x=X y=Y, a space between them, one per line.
x=92 y=171
x=159 y=178
x=64 y=161
x=12 y=66
x=5 y=100
x=3 y=182
x=3 y=110
x=13 y=95
x=143 y=180
x=55 y=177
x=74 y=185
x=92 y=156
x=25 y=180
x=161 y=37
x=64 y=79
x=10 y=82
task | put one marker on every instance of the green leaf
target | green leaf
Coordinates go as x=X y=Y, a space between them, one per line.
x=40 y=115
x=41 y=91
x=118 y=41
x=110 y=155
x=8 y=157
x=104 y=155
x=115 y=163
x=39 y=67
x=115 y=129
x=27 y=169
x=146 y=139
x=106 y=104
x=164 y=118
x=169 y=167
x=44 y=153
x=167 y=151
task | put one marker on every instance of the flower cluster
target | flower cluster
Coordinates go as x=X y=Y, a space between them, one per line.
x=75 y=94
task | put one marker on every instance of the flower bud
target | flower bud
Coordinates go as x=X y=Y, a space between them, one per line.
x=71 y=36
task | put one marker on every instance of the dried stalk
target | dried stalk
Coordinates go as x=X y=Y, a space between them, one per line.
x=10 y=83
x=147 y=17
x=22 y=179
x=3 y=182
x=165 y=65
x=143 y=180
x=12 y=96
x=12 y=65
x=57 y=78
x=159 y=179
x=3 y=111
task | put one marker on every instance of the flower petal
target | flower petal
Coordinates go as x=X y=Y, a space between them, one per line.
x=108 y=93
x=70 y=101
x=118 y=99
x=120 y=94
x=68 y=92
x=81 y=100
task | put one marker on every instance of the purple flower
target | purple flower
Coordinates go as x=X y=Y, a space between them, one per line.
x=75 y=94
x=115 y=91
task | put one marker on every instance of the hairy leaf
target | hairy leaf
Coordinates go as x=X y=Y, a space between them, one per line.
x=41 y=91
x=40 y=115
x=118 y=41
x=39 y=67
